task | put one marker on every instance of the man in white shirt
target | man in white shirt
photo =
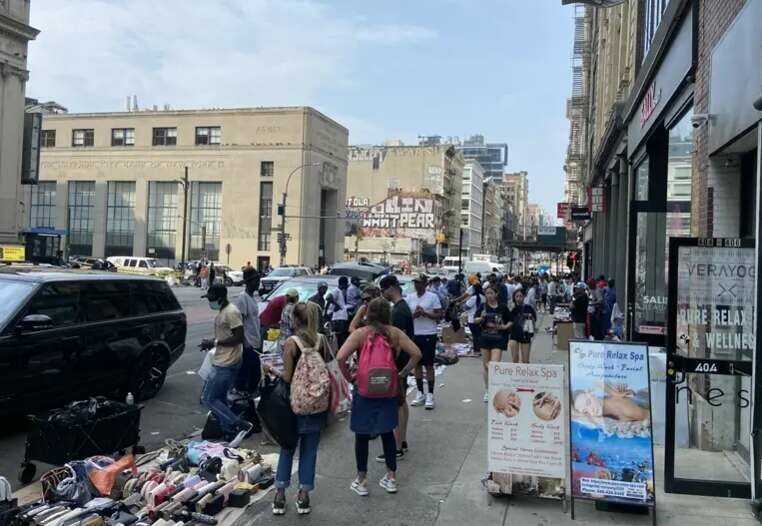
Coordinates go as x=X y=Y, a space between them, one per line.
x=427 y=311
x=353 y=295
x=340 y=318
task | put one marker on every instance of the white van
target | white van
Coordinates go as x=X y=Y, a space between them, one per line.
x=139 y=265
x=450 y=264
x=485 y=268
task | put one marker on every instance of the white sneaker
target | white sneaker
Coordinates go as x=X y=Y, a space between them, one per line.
x=388 y=484
x=419 y=399
x=486 y=397
x=361 y=488
x=430 y=401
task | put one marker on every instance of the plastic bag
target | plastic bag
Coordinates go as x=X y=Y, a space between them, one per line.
x=275 y=412
x=206 y=367
x=341 y=396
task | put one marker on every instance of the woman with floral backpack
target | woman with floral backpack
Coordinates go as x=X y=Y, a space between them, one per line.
x=375 y=400
x=304 y=357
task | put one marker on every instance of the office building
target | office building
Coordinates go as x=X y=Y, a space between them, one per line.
x=493 y=157
x=472 y=207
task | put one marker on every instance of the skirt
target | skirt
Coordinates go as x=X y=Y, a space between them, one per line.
x=373 y=416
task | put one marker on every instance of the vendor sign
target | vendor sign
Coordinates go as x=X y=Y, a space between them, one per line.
x=15 y=253
x=610 y=422
x=526 y=420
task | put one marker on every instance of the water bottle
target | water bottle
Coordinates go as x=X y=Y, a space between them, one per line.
x=130 y=400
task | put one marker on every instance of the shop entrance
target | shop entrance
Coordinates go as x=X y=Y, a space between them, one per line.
x=710 y=349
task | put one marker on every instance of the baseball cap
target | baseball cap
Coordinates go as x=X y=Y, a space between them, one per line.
x=292 y=293
x=421 y=278
x=322 y=284
x=215 y=292
x=389 y=281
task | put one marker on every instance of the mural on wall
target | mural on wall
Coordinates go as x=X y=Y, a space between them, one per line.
x=401 y=215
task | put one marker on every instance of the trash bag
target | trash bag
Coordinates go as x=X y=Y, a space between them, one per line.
x=275 y=412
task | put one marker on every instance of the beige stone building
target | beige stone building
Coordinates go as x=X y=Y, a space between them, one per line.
x=113 y=181
x=427 y=179
x=15 y=33
x=517 y=196
x=494 y=204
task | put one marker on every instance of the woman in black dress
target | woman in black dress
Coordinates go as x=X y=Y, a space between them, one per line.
x=492 y=319
x=523 y=319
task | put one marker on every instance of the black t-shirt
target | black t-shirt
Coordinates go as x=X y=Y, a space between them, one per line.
x=492 y=317
x=519 y=315
x=402 y=318
x=579 y=308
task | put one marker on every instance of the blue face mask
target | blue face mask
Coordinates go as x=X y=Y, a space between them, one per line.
x=215 y=305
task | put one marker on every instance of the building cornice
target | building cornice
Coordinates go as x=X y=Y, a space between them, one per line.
x=17 y=29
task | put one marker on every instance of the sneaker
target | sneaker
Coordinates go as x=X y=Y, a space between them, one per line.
x=404 y=446
x=430 y=401
x=279 y=504
x=486 y=397
x=361 y=488
x=303 y=504
x=419 y=400
x=388 y=484
x=382 y=458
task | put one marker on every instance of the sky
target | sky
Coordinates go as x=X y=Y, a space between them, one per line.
x=385 y=69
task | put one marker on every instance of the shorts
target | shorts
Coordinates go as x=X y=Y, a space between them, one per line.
x=428 y=346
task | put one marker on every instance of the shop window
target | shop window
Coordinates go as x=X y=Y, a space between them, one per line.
x=641 y=181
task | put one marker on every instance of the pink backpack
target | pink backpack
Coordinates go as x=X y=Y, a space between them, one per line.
x=377 y=372
x=311 y=384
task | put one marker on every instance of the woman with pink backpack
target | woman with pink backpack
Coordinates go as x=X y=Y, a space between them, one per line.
x=304 y=357
x=375 y=400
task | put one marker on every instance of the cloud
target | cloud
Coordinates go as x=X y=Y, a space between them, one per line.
x=90 y=54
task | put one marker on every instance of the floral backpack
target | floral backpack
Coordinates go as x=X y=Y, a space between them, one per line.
x=311 y=384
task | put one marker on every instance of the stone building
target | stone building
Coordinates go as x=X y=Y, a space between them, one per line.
x=472 y=209
x=15 y=33
x=517 y=196
x=113 y=182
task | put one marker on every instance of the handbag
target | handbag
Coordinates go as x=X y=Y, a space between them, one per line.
x=341 y=396
x=206 y=367
x=275 y=412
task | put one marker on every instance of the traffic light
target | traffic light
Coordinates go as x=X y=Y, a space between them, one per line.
x=281 y=210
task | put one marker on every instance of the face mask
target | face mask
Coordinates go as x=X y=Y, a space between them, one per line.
x=215 y=305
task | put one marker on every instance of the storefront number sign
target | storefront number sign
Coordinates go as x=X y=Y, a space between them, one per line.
x=527 y=426
x=610 y=422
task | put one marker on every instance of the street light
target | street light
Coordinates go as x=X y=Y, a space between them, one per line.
x=282 y=212
x=185 y=183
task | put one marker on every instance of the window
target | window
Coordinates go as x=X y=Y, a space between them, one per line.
x=149 y=297
x=162 y=219
x=265 y=215
x=123 y=137
x=143 y=264
x=80 y=221
x=42 y=211
x=82 y=138
x=105 y=300
x=120 y=218
x=208 y=135
x=464 y=204
x=266 y=169
x=48 y=138
x=59 y=301
x=132 y=262
x=654 y=9
x=164 y=136
x=205 y=217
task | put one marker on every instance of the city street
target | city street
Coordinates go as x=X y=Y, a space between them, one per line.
x=174 y=413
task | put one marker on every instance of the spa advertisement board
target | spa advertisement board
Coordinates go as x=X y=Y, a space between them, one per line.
x=611 y=445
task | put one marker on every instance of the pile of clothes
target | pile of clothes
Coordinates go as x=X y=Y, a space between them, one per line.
x=183 y=483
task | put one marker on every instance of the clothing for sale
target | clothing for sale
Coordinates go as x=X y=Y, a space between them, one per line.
x=429 y=302
x=522 y=317
x=227 y=319
x=270 y=317
x=492 y=337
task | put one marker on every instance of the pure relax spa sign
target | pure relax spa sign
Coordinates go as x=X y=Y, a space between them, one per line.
x=715 y=300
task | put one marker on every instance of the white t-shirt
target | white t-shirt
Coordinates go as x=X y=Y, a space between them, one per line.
x=470 y=306
x=429 y=302
x=341 y=306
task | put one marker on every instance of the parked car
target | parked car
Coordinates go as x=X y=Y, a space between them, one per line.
x=306 y=286
x=363 y=270
x=269 y=282
x=68 y=335
x=236 y=277
x=86 y=262
x=139 y=265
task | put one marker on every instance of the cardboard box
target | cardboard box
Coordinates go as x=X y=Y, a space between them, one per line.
x=450 y=336
x=564 y=333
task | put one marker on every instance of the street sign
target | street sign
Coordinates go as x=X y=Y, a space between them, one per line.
x=580 y=213
x=562 y=211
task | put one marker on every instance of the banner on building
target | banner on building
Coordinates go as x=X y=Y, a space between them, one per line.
x=546 y=230
x=527 y=428
x=580 y=213
x=597 y=199
x=562 y=211
x=610 y=422
x=410 y=216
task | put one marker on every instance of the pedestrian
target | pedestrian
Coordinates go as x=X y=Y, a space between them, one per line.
x=340 y=316
x=523 y=319
x=286 y=319
x=319 y=299
x=250 y=372
x=204 y=273
x=228 y=344
x=305 y=340
x=580 y=303
x=595 y=309
x=552 y=292
x=376 y=416
x=471 y=306
x=353 y=295
x=402 y=318
x=543 y=290
x=492 y=319
x=212 y=274
x=427 y=311
x=369 y=293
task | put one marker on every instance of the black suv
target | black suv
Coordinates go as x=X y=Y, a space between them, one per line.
x=67 y=335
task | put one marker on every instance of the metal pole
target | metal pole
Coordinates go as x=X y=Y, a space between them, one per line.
x=203 y=241
x=185 y=214
x=460 y=251
x=282 y=233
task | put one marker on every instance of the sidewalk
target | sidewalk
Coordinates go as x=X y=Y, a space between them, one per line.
x=440 y=479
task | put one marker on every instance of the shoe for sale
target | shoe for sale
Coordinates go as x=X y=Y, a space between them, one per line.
x=419 y=400
x=360 y=487
x=390 y=485
x=303 y=505
x=382 y=458
x=430 y=401
x=279 y=504
x=486 y=397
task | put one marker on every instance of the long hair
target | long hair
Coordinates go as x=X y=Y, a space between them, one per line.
x=379 y=316
x=306 y=317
